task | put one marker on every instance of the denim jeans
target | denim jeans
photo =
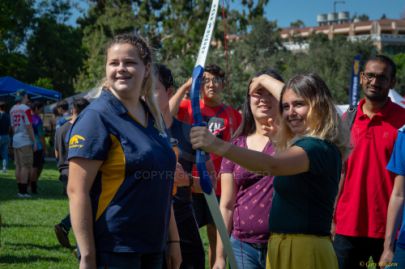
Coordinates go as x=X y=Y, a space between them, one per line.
x=4 y=141
x=247 y=255
x=129 y=260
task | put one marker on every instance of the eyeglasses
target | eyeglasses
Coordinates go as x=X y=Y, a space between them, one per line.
x=213 y=80
x=370 y=76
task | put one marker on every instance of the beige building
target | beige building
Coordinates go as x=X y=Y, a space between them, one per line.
x=386 y=34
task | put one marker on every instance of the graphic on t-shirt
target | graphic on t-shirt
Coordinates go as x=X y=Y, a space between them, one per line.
x=216 y=126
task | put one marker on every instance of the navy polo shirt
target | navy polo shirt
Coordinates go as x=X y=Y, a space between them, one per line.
x=131 y=194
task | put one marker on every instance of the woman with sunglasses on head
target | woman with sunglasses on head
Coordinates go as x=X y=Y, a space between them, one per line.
x=311 y=143
x=246 y=197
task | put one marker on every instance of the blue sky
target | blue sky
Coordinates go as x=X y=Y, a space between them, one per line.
x=287 y=11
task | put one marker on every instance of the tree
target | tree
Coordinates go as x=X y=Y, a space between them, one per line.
x=399 y=60
x=54 y=52
x=174 y=28
x=107 y=18
x=331 y=59
x=297 y=24
x=362 y=17
x=15 y=22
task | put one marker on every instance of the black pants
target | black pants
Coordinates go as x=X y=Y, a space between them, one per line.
x=355 y=252
x=192 y=249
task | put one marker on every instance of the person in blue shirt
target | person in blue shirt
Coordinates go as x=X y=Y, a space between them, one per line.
x=62 y=108
x=39 y=154
x=121 y=168
x=389 y=257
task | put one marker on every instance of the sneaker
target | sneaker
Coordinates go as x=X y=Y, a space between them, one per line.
x=23 y=195
x=4 y=171
x=62 y=236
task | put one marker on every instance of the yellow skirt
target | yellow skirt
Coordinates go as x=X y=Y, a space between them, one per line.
x=300 y=251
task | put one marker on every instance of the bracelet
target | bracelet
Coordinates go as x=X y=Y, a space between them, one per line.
x=173 y=241
x=191 y=181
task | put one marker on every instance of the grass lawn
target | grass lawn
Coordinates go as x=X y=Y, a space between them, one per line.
x=27 y=238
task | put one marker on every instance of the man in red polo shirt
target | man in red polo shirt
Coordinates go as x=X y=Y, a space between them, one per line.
x=362 y=203
x=222 y=121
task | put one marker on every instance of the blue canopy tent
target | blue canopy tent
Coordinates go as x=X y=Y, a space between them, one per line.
x=9 y=85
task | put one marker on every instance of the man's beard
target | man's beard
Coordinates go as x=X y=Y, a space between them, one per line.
x=376 y=97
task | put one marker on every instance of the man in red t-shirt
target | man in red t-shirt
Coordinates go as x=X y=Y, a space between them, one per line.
x=222 y=120
x=366 y=186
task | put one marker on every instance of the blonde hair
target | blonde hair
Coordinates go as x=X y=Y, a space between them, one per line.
x=148 y=86
x=323 y=121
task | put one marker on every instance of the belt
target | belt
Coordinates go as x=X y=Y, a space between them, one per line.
x=258 y=245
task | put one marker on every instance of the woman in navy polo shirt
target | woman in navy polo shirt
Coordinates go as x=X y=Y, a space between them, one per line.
x=311 y=144
x=121 y=167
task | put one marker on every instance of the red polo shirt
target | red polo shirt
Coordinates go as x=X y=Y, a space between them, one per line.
x=362 y=207
x=231 y=121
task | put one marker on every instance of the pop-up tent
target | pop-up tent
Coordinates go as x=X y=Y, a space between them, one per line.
x=9 y=85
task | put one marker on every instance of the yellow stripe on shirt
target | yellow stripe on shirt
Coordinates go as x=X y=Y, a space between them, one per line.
x=112 y=175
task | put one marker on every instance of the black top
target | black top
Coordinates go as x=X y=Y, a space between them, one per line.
x=182 y=200
x=303 y=203
x=4 y=123
x=62 y=145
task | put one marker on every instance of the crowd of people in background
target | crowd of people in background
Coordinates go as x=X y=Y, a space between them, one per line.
x=298 y=186
x=22 y=129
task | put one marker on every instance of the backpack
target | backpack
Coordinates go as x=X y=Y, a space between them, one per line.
x=350 y=116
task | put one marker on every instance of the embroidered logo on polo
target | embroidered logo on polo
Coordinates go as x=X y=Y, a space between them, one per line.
x=76 y=141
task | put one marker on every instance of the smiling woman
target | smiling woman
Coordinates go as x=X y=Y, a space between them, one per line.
x=118 y=167
x=311 y=144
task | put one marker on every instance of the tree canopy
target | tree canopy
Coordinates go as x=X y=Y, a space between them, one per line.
x=39 y=46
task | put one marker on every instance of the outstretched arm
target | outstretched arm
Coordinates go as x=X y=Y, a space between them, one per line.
x=175 y=100
x=293 y=161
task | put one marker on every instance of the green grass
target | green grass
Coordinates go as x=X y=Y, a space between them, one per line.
x=27 y=238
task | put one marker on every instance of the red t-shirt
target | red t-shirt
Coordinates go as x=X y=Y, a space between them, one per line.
x=222 y=121
x=362 y=207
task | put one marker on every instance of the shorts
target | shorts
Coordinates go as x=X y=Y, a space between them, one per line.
x=23 y=157
x=39 y=159
x=201 y=210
